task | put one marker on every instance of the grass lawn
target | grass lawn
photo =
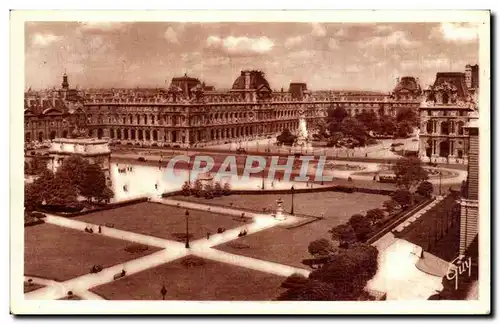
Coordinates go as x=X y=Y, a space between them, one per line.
x=210 y=281
x=60 y=253
x=162 y=221
x=31 y=286
x=289 y=246
x=315 y=204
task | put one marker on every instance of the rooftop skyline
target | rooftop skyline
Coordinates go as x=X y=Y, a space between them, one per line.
x=323 y=55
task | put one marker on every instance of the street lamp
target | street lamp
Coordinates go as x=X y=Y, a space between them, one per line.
x=163 y=291
x=187 y=229
x=293 y=190
x=440 y=177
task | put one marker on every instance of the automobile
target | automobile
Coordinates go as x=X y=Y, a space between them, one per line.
x=414 y=140
x=96 y=269
x=141 y=159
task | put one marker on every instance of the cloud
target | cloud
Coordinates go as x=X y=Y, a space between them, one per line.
x=100 y=25
x=333 y=43
x=398 y=38
x=353 y=68
x=241 y=45
x=293 y=41
x=171 y=35
x=43 y=40
x=318 y=30
x=457 y=32
x=341 y=32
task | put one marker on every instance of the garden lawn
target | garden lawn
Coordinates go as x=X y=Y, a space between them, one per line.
x=31 y=286
x=289 y=246
x=59 y=253
x=161 y=221
x=328 y=204
x=210 y=281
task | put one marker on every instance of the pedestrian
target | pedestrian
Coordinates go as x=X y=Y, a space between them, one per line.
x=100 y=229
x=208 y=235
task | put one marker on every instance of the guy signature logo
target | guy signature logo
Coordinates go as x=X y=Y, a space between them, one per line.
x=457 y=267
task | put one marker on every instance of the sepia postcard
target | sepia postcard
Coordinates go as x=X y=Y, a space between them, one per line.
x=250 y=162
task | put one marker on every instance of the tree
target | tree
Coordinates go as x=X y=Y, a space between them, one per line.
x=375 y=215
x=226 y=190
x=61 y=192
x=409 y=172
x=407 y=115
x=33 y=197
x=402 y=197
x=106 y=195
x=425 y=188
x=369 y=119
x=320 y=247
x=351 y=127
x=217 y=189
x=337 y=114
x=361 y=226
x=387 y=124
x=93 y=183
x=403 y=129
x=74 y=168
x=209 y=191
x=389 y=205
x=197 y=188
x=35 y=167
x=286 y=137
x=344 y=234
x=186 y=189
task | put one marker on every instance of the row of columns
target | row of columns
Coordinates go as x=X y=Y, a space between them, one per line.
x=196 y=135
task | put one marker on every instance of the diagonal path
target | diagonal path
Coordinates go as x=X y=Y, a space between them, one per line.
x=172 y=250
x=113 y=232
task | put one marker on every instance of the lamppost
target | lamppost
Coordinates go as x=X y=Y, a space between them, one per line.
x=293 y=190
x=187 y=229
x=440 y=176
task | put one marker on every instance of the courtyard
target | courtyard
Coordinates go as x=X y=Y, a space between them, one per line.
x=59 y=253
x=193 y=278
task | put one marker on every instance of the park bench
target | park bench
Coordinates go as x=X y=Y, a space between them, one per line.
x=119 y=275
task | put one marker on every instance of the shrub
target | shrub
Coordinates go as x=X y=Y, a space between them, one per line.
x=141 y=159
x=361 y=226
x=186 y=189
x=192 y=261
x=344 y=234
x=425 y=188
x=197 y=188
x=389 y=205
x=209 y=191
x=218 y=189
x=226 y=190
x=375 y=215
x=402 y=197
x=136 y=248
x=320 y=247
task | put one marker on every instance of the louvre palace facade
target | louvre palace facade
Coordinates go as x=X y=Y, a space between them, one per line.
x=190 y=113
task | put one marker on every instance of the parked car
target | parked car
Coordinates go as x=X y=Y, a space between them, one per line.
x=141 y=159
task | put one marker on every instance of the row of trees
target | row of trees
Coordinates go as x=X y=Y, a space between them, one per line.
x=75 y=177
x=286 y=138
x=338 y=273
x=209 y=190
x=341 y=129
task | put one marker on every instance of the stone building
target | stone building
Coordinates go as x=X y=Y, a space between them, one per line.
x=190 y=113
x=469 y=212
x=52 y=113
x=444 y=112
x=198 y=116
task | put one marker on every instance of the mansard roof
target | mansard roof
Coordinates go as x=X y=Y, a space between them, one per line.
x=457 y=79
x=257 y=79
x=408 y=83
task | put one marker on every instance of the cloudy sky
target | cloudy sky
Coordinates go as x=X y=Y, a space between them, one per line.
x=324 y=55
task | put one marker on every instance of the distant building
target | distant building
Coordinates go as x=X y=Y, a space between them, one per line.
x=443 y=114
x=52 y=113
x=469 y=212
x=472 y=76
x=190 y=113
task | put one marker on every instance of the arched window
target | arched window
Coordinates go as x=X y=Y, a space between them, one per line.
x=52 y=135
x=155 y=135
x=460 y=126
x=132 y=134
x=147 y=135
x=111 y=133
x=125 y=134
x=27 y=137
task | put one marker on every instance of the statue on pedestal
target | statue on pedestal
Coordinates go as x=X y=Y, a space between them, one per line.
x=279 y=209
